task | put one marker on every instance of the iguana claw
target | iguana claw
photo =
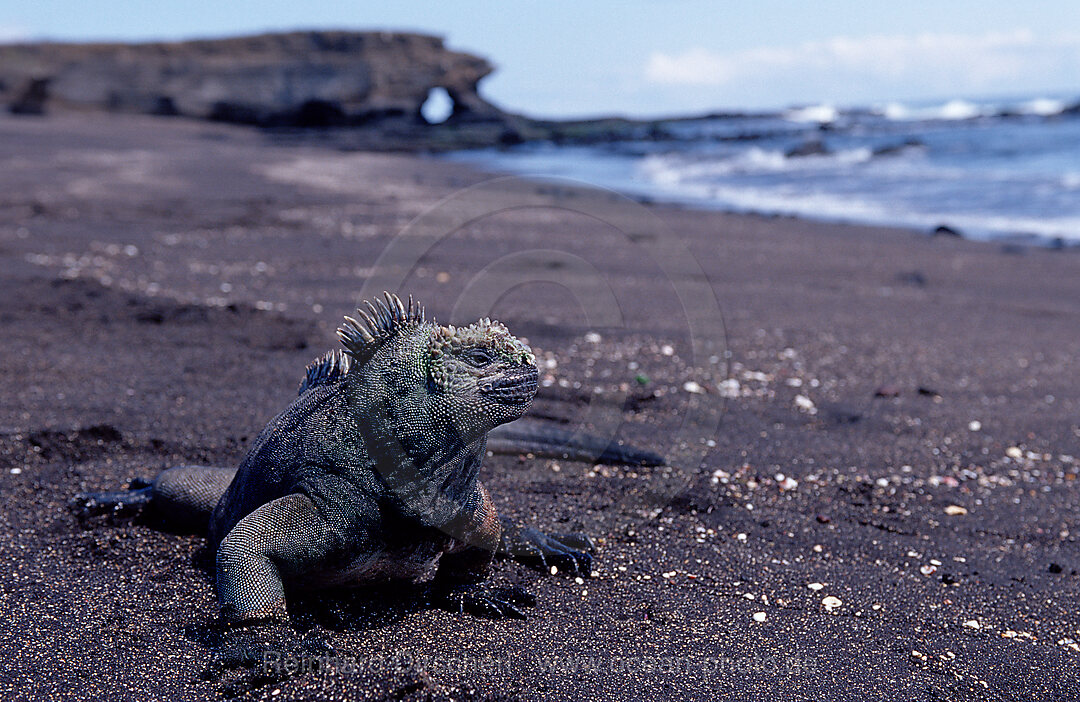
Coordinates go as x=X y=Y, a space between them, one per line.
x=479 y=601
x=567 y=553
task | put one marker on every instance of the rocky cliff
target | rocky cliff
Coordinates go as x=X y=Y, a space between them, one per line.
x=294 y=79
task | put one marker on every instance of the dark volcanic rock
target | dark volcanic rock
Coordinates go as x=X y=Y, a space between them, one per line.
x=296 y=79
x=915 y=278
x=893 y=149
x=813 y=147
x=945 y=230
x=888 y=390
x=31 y=99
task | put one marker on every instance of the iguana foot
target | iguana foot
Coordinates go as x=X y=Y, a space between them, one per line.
x=262 y=653
x=239 y=648
x=568 y=553
x=481 y=601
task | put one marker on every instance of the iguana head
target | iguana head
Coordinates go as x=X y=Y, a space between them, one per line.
x=471 y=378
x=482 y=368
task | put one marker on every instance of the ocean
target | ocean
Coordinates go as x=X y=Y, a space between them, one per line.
x=990 y=169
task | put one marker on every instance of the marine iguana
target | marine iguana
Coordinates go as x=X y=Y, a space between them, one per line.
x=371 y=474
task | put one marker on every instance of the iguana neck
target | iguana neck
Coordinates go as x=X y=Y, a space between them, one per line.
x=428 y=468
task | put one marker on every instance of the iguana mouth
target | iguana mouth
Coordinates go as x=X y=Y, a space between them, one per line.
x=513 y=388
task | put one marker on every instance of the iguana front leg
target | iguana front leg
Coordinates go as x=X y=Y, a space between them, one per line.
x=283 y=538
x=457 y=585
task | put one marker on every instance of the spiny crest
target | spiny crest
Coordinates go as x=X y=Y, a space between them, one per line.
x=327 y=368
x=485 y=332
x=381 y=321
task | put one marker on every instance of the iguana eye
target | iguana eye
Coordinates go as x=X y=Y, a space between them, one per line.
x=478 y=357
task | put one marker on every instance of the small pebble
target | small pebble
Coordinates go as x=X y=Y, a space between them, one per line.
x=972 y=624
x=759 y=617
x=831 y=603
x=1014 y=452
x=728 y=388
x=888 y=390
x=16 y=471
x=554 y=570
x=974 y=425
x=955 y=510
x=691 y=386
x=815 y=586
x=927 y=569
x=786 y=483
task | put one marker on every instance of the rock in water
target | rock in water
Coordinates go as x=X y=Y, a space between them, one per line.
x=813 y=147
x=945 y=230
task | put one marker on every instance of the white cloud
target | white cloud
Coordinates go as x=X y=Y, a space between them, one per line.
x=932 y=62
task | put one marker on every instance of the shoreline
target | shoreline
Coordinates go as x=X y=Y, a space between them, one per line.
x=496 y=162
x=890 y=421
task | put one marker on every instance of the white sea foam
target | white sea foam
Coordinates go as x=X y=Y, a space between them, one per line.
x=959 y=109
x=850 y=208
x=822 y=114
x=951 y=110
x=964 y=109
x=670 y=169
x=1044 y=107
x=896 y=111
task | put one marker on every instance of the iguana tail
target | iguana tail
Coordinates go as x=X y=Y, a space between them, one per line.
x=185 y=496
x=556 y=442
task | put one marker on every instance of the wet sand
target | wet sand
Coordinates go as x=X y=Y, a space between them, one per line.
x=865 y=414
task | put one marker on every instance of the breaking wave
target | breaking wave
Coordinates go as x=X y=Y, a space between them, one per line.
x=991 y=169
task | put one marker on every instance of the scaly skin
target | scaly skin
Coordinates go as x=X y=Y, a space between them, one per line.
x=372 y=474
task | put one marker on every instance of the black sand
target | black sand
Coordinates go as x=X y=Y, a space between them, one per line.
x=165 y=282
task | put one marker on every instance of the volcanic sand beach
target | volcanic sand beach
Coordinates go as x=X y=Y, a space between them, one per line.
x=165 y=282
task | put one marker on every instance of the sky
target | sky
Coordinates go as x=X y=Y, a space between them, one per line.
x=558 y=58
